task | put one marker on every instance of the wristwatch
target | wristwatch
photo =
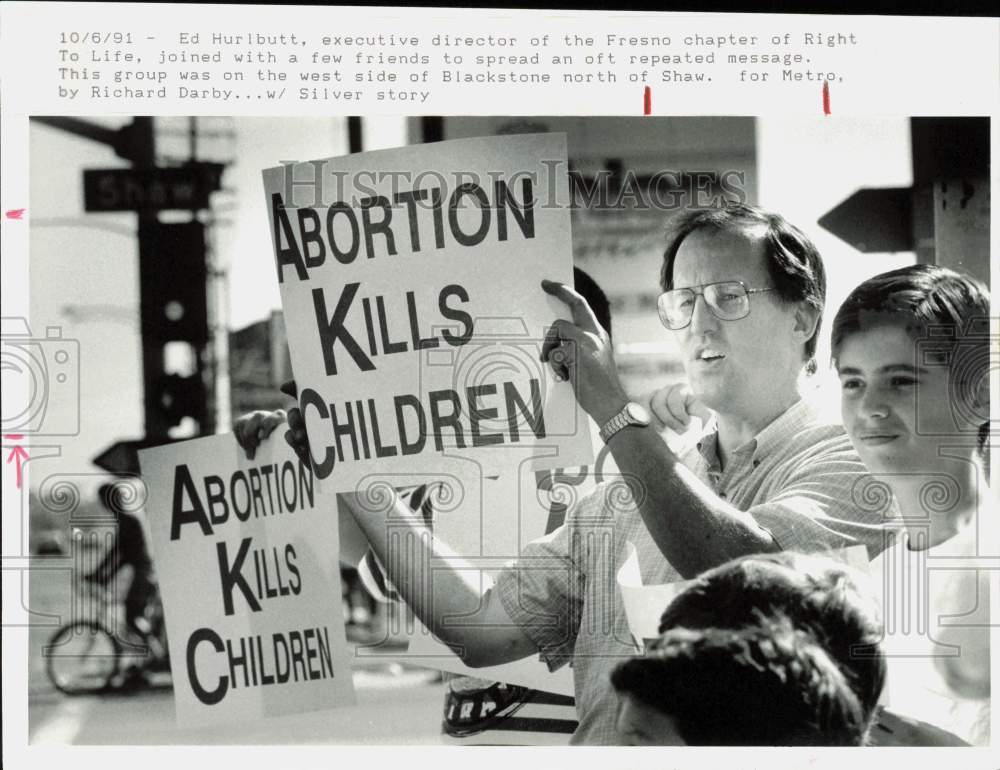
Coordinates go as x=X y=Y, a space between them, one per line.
x=631 y=414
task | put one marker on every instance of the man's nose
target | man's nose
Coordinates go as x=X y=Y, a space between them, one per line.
x=702 y=317
x=874 y=403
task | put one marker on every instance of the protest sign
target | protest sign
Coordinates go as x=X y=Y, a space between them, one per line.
x=246 y=555
x=410 y=283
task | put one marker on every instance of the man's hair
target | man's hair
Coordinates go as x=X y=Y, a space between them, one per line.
x=945 y=309
x=793 y=262
x=830 y=600
x=768 y=684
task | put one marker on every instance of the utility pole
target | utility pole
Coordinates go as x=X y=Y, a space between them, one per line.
x=172 y=272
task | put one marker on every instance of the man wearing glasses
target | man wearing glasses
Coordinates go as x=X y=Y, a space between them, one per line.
x=743 y=297
x=743 y=294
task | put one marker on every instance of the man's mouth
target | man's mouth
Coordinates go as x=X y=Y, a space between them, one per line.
x=708 y=355
x=877 y=439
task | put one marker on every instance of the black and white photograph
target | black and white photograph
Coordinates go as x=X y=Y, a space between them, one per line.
x=501 y=430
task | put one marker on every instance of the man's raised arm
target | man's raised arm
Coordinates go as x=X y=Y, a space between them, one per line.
x=454 y=600
x=693 y=528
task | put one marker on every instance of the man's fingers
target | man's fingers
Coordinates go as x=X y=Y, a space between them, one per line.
x=583 y=316
x=270 y=421
x=289 y=389
x=663 y=405
x=695 y=408
x=555 y=348
x=295 y=421
x=551 y=342
x=300 y=451
x=296 y=434
x=241 y=429
x=246 y=431
x=251 y=429
x=677 y=398
x=675 y=405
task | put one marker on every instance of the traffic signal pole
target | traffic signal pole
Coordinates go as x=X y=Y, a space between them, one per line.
x=144 y=148
x=172 y=272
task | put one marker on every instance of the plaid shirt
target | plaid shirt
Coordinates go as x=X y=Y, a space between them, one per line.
x=799 y=478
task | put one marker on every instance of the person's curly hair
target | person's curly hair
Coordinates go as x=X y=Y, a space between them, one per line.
x=832 y=601
x=767 y=684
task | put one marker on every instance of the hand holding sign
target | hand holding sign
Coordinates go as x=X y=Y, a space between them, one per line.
x=296 y=435
x=581 y=350
x=251 y=429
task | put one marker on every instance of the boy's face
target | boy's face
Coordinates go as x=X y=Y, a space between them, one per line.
x=895 y=408
x=642 y=725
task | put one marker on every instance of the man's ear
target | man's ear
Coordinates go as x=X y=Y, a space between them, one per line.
x=807 y=319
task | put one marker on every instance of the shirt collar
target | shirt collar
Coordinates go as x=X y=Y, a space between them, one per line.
x=787 y=424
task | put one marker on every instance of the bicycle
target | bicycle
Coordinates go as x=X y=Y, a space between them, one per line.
x=84 y=657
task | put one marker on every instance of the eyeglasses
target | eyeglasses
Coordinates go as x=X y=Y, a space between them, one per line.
x=728 y=301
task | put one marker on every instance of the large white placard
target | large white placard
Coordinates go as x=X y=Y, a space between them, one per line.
x=246 y=554
x=411 y=286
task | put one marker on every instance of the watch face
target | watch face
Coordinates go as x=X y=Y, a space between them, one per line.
x=638 y=414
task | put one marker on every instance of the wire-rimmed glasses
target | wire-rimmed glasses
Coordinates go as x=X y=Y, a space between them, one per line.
x=728 y=301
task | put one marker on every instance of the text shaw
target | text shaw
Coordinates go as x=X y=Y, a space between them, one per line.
x=410 y=282
x=246 y=555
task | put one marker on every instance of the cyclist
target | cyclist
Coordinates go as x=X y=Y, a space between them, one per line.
x=129 y=548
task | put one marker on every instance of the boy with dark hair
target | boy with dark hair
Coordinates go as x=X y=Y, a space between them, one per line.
x=767 y=684
x=830 y=600
x=912 y=349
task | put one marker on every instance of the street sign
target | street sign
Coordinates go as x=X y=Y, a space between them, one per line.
x=874 y=220
x=151 y=189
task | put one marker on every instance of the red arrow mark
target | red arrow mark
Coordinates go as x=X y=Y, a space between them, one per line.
x=826 y=97
x=15 y=213
x=647 y=101
x=17 y=453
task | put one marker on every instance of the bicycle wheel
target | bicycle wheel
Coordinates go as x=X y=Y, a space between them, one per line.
x=82 y=657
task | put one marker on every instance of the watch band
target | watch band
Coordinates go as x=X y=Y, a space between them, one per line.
x=629 y=415
x=615 y=424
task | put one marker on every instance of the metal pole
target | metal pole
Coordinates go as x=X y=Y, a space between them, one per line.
x=143 y=147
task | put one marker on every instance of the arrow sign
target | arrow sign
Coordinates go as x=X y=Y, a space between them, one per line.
x=122 y=456
x=874 y=220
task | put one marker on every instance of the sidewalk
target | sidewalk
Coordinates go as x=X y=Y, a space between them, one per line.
x=396 y=704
